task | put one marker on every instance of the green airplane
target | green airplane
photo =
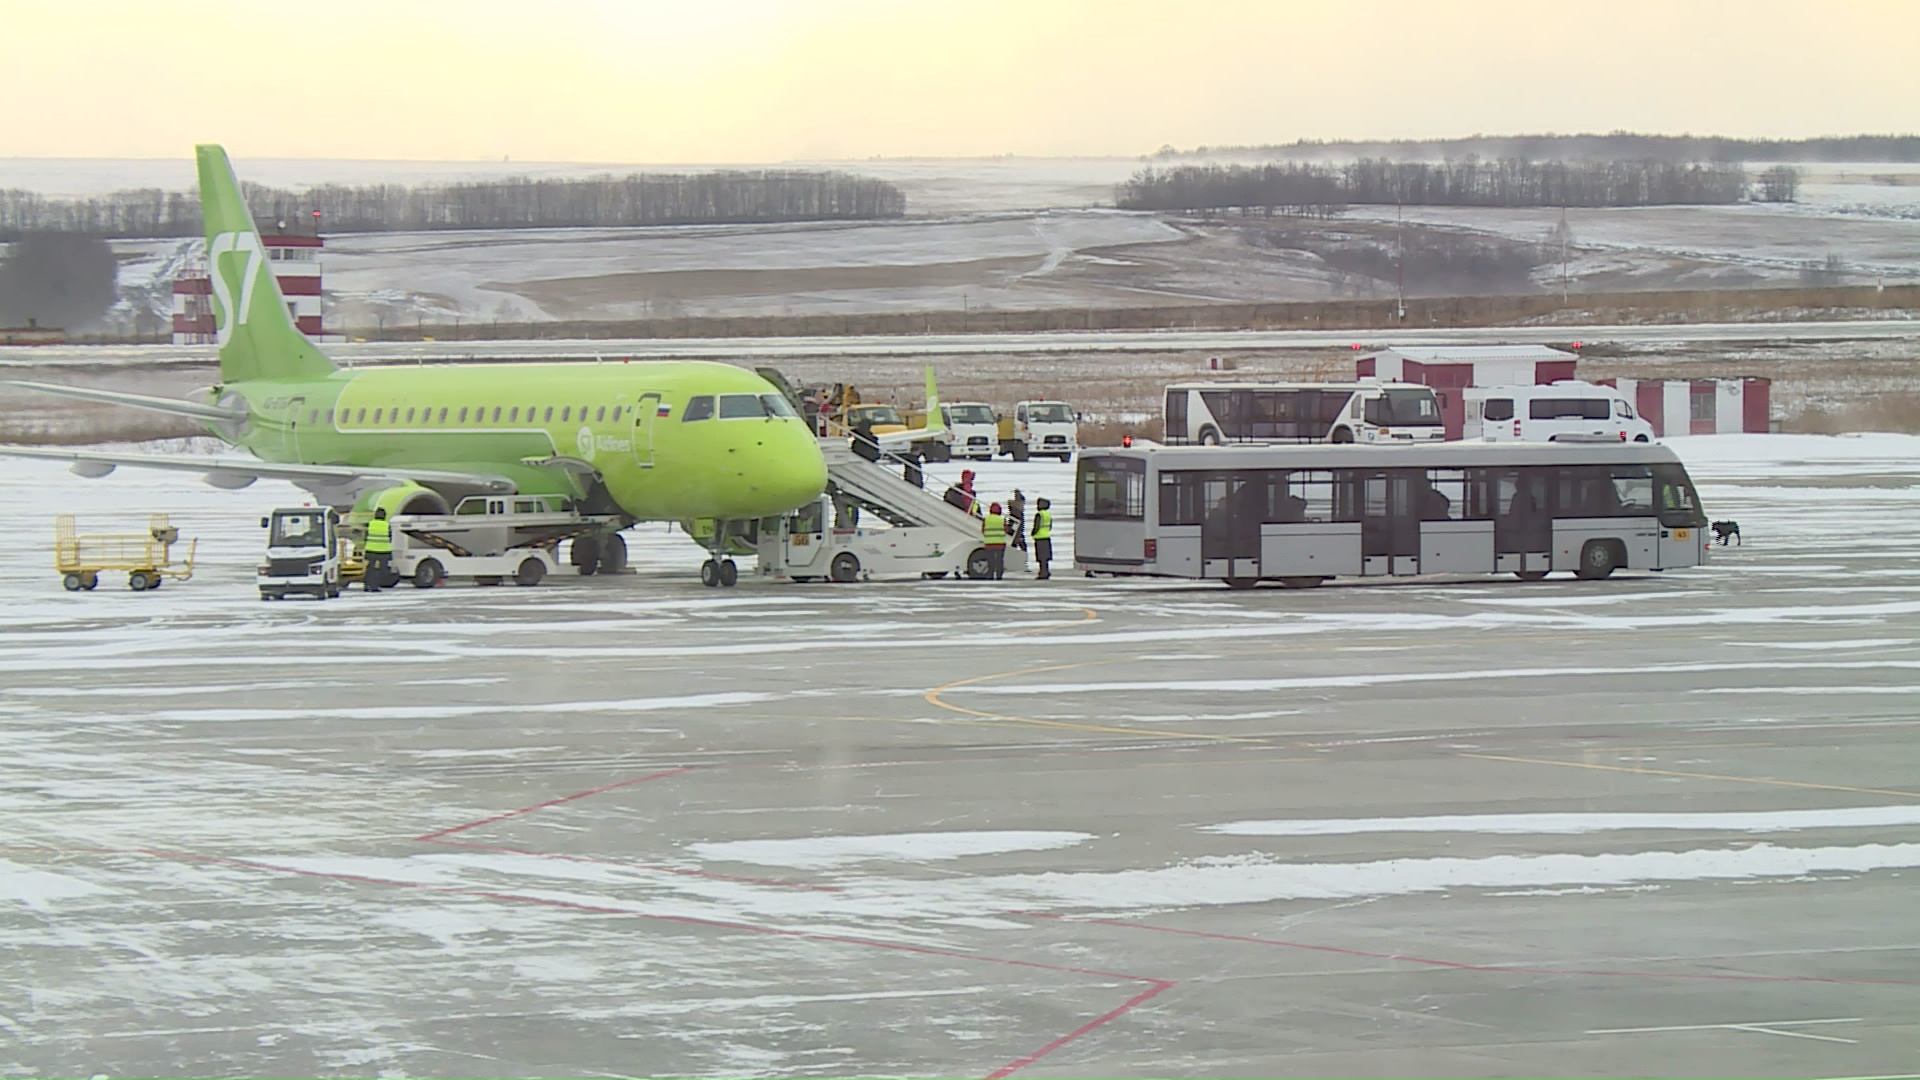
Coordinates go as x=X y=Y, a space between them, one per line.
x=649 y=441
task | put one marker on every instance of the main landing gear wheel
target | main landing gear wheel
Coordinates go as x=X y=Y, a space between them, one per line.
x=613 y=553
x=729 y=574
x=846 y=567
x=719 y=573
x=710 y=573
x=584 y=553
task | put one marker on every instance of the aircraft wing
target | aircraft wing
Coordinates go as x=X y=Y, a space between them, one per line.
x=334 y=483
x=138 y=401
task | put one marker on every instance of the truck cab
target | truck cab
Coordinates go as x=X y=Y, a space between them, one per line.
x=1043 y=428
x=975 y=427
x=303 y=553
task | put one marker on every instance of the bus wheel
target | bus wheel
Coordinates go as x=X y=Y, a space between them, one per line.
x=1597 y=560
x=846 y=567
x=1241 y=582
x=1302 y=582
x=1530 y=575
x=1343 y=435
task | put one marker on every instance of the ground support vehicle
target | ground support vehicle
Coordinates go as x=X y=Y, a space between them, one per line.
x=1045 y=428
x=975 y=429
x=80 y=558
x=493 y=538
x=873 y=521
x=1567 y=410
x=1213 y=414
x=305 y=551
x=1303 y=514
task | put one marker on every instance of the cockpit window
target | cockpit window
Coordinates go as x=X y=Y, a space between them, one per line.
x=741 y=407
x=700 y=408
x=777 y=405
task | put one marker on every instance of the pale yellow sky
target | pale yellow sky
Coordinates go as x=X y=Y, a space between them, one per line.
x=772 y=80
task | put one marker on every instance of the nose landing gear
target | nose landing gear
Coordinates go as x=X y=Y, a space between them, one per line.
x=719 y=571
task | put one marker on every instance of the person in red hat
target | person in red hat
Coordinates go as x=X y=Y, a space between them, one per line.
x=993 y=533
x=961 y=494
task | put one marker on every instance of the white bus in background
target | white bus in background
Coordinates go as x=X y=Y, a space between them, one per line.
x=1302 y=514
x=1212 y=414
x=1555 y=411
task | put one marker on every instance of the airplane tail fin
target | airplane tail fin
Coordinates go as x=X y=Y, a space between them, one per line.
x=258 y=339
x=935 y=421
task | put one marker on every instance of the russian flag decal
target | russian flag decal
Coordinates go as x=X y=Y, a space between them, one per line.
x=663 y=409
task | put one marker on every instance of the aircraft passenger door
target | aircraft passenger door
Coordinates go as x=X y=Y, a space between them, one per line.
x=291 y=438
x=645 y=412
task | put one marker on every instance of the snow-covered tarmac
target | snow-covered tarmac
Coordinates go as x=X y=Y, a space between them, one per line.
x=1659 y=825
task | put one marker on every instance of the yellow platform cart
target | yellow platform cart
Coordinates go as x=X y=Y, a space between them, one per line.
x=147 y=560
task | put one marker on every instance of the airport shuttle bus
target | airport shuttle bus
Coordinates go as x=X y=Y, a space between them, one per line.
x=1211 y=414
x=1302 y=514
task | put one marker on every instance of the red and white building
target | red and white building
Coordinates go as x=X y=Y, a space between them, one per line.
x=296 y=268
x=1672 y=406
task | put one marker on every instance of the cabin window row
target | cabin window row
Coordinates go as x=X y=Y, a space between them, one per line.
x=446 y=414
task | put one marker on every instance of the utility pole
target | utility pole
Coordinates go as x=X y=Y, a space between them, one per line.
x=1563 y=256
x=1400 y=259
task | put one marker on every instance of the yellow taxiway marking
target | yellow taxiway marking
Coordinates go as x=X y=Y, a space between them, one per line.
x=933 y=698
x=1696 y=775
x=1087 y=615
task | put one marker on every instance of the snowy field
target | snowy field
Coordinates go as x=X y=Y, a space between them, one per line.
x=1659 y=825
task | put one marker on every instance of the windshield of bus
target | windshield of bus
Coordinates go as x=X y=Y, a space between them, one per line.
x=1410 y=407
x=1049 y=412
x=1112 y=488
x=1679 y=504
x=969 y=414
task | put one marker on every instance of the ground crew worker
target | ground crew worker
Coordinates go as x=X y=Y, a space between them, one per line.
x=993 y=533
x=1043 y=537
x=1017 y=519
x=379 y=552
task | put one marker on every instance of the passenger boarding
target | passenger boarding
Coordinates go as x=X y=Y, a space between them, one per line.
x=1301 y=514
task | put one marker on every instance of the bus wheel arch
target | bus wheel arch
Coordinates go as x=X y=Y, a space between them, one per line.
x=1238 y=583
x=1210 y=436
x=1343 y=434
x=1600 y=558
x=1302 y=582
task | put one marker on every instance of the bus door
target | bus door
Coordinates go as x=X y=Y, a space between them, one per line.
x=1523 y=519
x=1230 y=531
x=1387 y=504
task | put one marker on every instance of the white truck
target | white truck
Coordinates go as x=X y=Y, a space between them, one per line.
x=304 y=550
x=1567 y=410
x=1043 y=428
x=491 y=538
x=975 y=428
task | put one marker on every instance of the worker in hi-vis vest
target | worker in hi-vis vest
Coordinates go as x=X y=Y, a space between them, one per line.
x=1043 y=537
x=379 y=552
x=993 y=533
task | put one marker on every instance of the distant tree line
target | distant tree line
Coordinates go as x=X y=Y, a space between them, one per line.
x=639 y=199
x=1324 y=190
x=1621 y=145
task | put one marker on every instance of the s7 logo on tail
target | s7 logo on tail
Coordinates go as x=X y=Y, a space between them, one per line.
x=224 y=317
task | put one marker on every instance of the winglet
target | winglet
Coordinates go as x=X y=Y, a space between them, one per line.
x=935 y=421
x=258 y=339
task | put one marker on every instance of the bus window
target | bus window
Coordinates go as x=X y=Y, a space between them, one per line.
x=1633 y=489
x=1445 y=497
x=1498 y=409
x=1112 y=488
x=1313 y=488
x=1568 y=409
x=1175 y=429
x=1181 y=498
x=1679 y=505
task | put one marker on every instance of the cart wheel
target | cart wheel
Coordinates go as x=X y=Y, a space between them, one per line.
x=428 y=574
x=530 y=572
x=845 y=567
x=73 y=583
x=138 y=581
x=89 y=579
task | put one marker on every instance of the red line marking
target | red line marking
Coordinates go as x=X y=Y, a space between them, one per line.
x=1458 y=966
x=1159 y=987
x=552 y=802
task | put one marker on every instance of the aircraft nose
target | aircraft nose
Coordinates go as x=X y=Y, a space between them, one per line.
x=800 y=475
